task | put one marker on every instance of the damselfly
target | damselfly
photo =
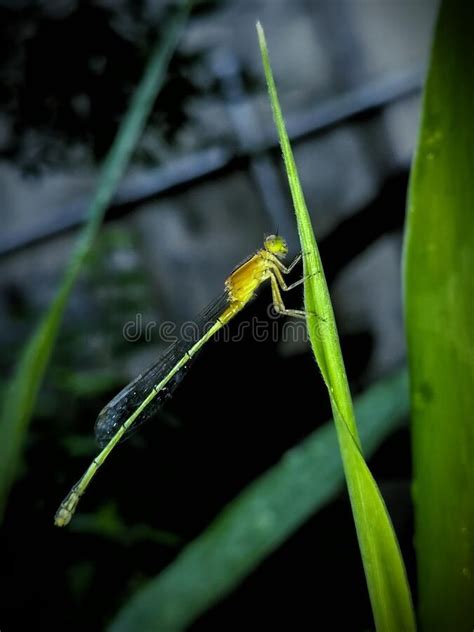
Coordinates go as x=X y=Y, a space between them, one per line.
x=143 y=396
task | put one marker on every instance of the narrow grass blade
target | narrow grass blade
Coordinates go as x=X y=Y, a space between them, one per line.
x=439 y=295
x=384 y=569
x=263 y=516
x=21 y=394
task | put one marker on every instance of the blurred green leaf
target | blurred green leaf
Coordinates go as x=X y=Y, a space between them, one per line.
x=439 y=296
x=383 y=564
x=86 y=384
x=22 y=392
x=263 y=516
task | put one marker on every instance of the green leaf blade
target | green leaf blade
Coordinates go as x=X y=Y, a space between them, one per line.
x=439 y=291
x=384 y=569
x=21 y=393
x=254 y=524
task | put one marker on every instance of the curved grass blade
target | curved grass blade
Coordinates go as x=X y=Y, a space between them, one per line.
x=20 y=396
x=383 y=564
x=439 y=298
x=258 y=520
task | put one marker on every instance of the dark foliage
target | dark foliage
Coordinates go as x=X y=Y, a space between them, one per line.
x=67 y=76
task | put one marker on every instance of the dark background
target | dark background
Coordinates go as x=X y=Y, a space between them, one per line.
x=204 y=185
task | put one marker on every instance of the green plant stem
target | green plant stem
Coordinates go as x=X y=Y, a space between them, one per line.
x=383 y=564
x=22 y=392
